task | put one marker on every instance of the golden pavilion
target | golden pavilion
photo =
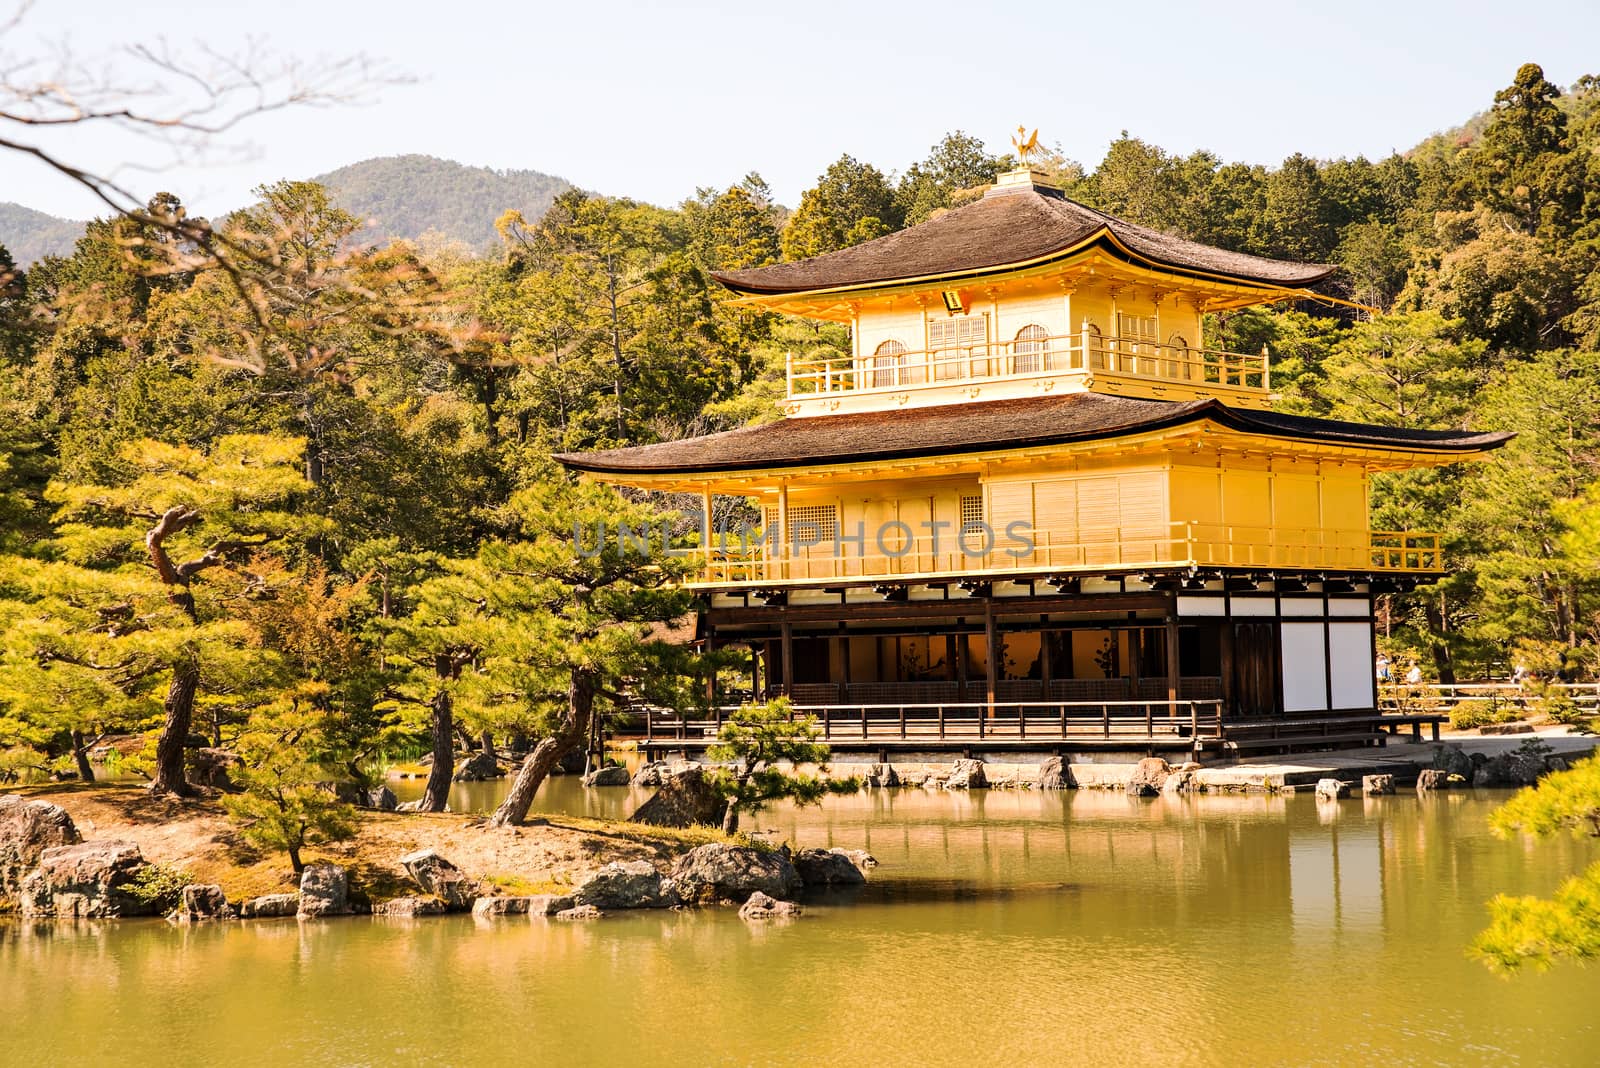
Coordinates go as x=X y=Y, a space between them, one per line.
x=1031 y=508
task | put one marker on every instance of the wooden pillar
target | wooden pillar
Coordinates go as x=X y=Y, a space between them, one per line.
x=781 y=549
x=1174 y=685
x=842 y=643
x=788 y=658
x=705 y=511
x=961 y=663
x=991 y=637
x=711 y=673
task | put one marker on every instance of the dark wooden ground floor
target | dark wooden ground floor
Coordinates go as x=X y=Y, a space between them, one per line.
x=1205 y=664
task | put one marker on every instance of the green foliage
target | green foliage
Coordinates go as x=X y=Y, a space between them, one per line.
x=1539 y=932
x=1470 y=715
x=753 y=742
x=158 y=886
x=287 y=803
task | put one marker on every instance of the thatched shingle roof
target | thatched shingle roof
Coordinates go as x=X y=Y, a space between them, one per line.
x=981 y=427
x=1011 y=225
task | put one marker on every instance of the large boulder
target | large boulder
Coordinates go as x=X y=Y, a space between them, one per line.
x=655 y=773
x=759 y=906
x=683 y=800
x=1149 y=775
x=823 y=867
x=91 y=880
x=718 y=872
x=382 y=799
x=27 y=829
x=1055 y=774
x=501 y=906
x=415 y=905
x=437 y=876
x=571 y=763
x=375 y=797
x=478 y=767
x=324 y=890
x=966 y=774
x=1182 y=779
x=610 y=775
x=209 y=766
x=1375 y=785
x=884 y=775
x=204 y=901
x=1453 y=761
x=1332 y=789
x=580 y=912
x=633 y=884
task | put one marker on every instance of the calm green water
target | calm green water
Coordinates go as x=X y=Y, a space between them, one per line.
x=1002 y=928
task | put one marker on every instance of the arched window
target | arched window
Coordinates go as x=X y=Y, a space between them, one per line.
x=888 y=359
x=1031 y=352
x=1094 y=347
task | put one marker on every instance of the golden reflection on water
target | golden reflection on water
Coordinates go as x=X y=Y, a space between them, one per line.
x=1001 y=927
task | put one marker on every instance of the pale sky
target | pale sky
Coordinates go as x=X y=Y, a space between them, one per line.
x=653 y=99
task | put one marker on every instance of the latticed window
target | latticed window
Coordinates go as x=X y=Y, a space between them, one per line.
x=809 y=524
x=1031 y=351
x=971 y=513
x=888 y=361
x=960 y=345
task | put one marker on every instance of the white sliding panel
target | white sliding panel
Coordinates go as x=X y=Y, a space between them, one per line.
x=1305 y=668
x=1350 y=654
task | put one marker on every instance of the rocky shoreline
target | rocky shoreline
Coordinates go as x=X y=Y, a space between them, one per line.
x=49 y=870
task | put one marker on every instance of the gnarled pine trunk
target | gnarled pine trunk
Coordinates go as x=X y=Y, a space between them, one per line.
x=179 y=708
x=536 y=767
x=438 y=790
x=80 y=753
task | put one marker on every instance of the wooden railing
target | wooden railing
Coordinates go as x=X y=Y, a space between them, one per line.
x=1081 y=353
x=1443 y=698
x=1196 y=720
x=1084 y=549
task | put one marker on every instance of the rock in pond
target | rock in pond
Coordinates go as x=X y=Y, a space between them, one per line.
x=204 y=901
x=324 y=890
x=759 y=906
x=683 y=800
x=415 y=905
x=89 y=880
x=27 y=829
x=1374 y=785
x=859 y=857
x=716 y=872
x=655 y=773
x=437 y=876
x=478 y=767
x=1332 y=789
x=821 y=867
x=883 y=775
x=1432 y=779
x=966 y=774
x=549 y=904
x=1055 y=774
x=611 y=775
x=269 y=905
x=1453 y=760
x=633 y=884
x=1149 y=775
x=580 y=912
x=501 y=906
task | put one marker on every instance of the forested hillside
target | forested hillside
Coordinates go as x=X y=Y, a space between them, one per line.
x=405 y=197
x=347 y=448
x=30 y=235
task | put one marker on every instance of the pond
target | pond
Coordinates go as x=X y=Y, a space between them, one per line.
x=1002 y=927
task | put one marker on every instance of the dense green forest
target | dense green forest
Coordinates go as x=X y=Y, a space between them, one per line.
x=302 y=491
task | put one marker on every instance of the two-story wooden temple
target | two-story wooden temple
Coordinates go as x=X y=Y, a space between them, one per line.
x=1031 y=508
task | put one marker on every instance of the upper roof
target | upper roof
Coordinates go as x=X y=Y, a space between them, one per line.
x=1009 y=227
x=1000 y=424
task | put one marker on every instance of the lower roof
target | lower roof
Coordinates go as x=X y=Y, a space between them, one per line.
x=984 y=426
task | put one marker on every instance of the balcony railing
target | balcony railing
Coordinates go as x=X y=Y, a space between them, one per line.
x=1085 y=353
x=1017 y=551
